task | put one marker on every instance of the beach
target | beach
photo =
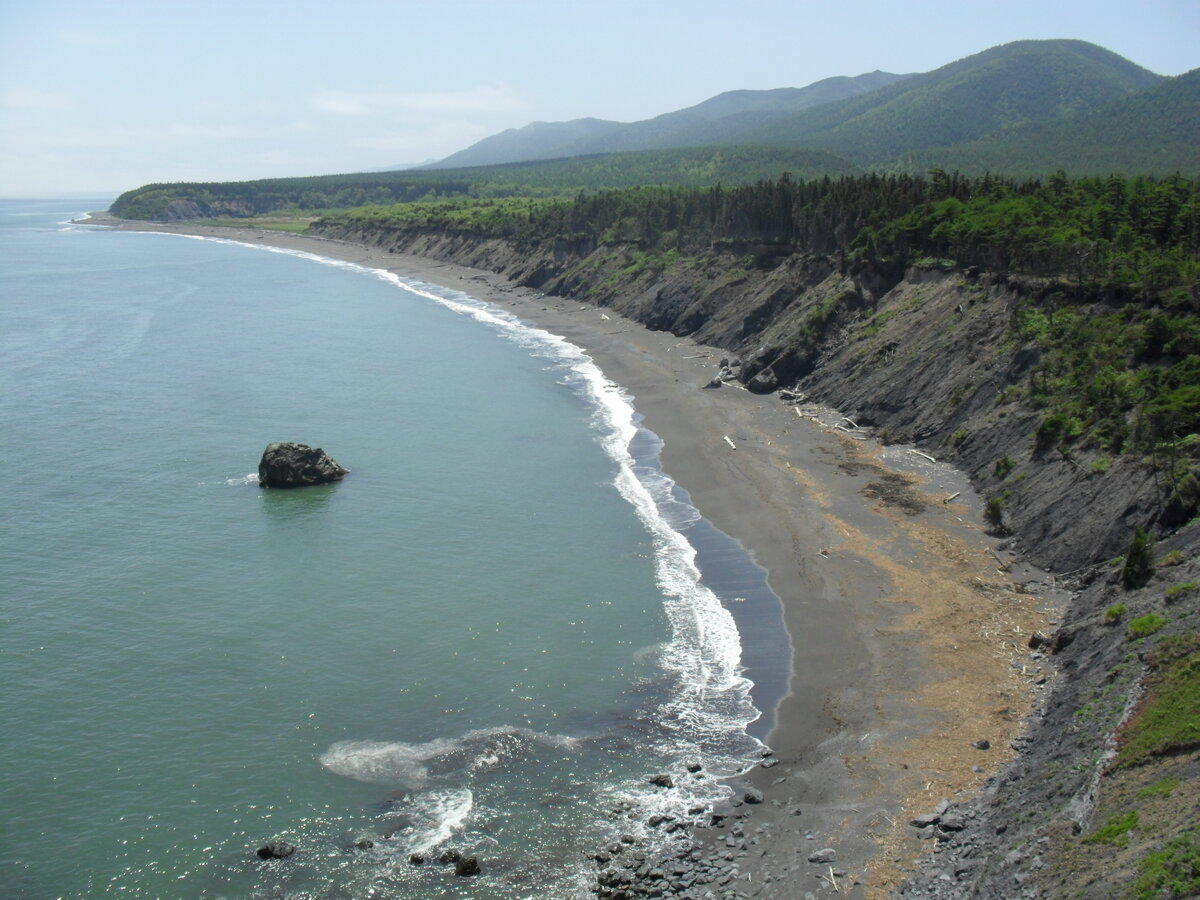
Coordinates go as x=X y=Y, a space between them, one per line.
x=910 y=677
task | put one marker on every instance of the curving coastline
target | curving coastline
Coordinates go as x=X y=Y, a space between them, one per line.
x=904 y=634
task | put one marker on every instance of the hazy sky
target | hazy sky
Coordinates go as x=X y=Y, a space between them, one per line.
x=106 y=95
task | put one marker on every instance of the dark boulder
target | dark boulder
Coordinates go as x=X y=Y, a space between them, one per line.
x=764 y=382
x=450 y=856
x=468 y=865
x=289 y=465
x=276 y=850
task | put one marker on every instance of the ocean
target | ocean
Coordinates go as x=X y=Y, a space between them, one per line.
x=488 y=637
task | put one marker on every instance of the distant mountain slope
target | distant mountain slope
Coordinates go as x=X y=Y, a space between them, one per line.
x=1026 y=81
x=718 y=120
x=538 y=140
x=1155 y=132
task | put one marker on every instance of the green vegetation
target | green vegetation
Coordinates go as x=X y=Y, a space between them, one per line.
x=1172 y=873
x=1150 y=131
x=1173 y=558
x=1139 y=560
x=1003 y=467
x=695 y=166
x=1144 y=626
x=994 y=511
x=1177 y=592
x=1164 y=787
x=1115 y=613
x=898 y=125
x=1166 y=722
x=1115 y=831
x=1101 y=464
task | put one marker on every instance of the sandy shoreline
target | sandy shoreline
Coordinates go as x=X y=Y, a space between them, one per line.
x=909 y=639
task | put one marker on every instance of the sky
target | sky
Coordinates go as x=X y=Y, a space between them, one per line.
x=107 y=95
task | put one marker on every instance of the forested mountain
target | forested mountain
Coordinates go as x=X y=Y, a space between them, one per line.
x=965 y=100
x=718 y=120
x=1155 y=131
x=1029 y=107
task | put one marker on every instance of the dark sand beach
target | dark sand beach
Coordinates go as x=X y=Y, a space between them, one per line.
x=908 y=629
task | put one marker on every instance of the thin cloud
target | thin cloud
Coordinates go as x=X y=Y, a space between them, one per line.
x=33 y=99
x=78 y=38
x=486 y=98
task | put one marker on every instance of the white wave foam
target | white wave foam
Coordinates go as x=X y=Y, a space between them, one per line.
x=437 y=815
x=416 y=765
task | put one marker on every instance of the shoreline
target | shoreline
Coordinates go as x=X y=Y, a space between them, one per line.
x=909 y=641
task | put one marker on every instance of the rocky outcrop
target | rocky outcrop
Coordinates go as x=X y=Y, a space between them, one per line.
x=289 y=465
x=275 y=850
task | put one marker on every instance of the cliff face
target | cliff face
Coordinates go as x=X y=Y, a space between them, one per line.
x=932 y=357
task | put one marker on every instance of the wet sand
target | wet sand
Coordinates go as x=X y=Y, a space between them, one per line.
x=908 y=632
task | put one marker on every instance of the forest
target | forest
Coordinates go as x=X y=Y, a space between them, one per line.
x=1126 y=233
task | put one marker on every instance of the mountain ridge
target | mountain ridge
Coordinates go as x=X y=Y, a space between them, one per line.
x=872 y=120
x=679 y=128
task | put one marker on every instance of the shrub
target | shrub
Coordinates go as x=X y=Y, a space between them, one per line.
x=1003 y=467
x=1164 y=788
x=1166 y=722
x=1113 y=614
x=994 y=512
x=1051 y=431
x=1139 y=560
x=1101 y=465
x=1144 y=626
x=1115 y=831
x=1172 y=872
x=1179 y=591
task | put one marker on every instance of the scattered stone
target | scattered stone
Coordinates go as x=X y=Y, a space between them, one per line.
x=753 y=796
x=416 y=859
x=694 y=766
x=276 y=850
x=364 y=844
x=290 y=465
x=924 y=821
x=826 y=855
x=764 y=382
x=768 y=763
x=468 y=865
x=1063 y=638
x=982 y=744
x=450 y=856
x=662 y=780
x=1038 y=639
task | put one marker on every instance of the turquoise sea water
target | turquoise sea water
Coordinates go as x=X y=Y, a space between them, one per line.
x=486 y=637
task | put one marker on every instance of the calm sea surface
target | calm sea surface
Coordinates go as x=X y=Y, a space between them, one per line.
x=486 y=637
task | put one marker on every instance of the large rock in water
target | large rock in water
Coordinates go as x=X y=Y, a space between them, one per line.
x=288 y=465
